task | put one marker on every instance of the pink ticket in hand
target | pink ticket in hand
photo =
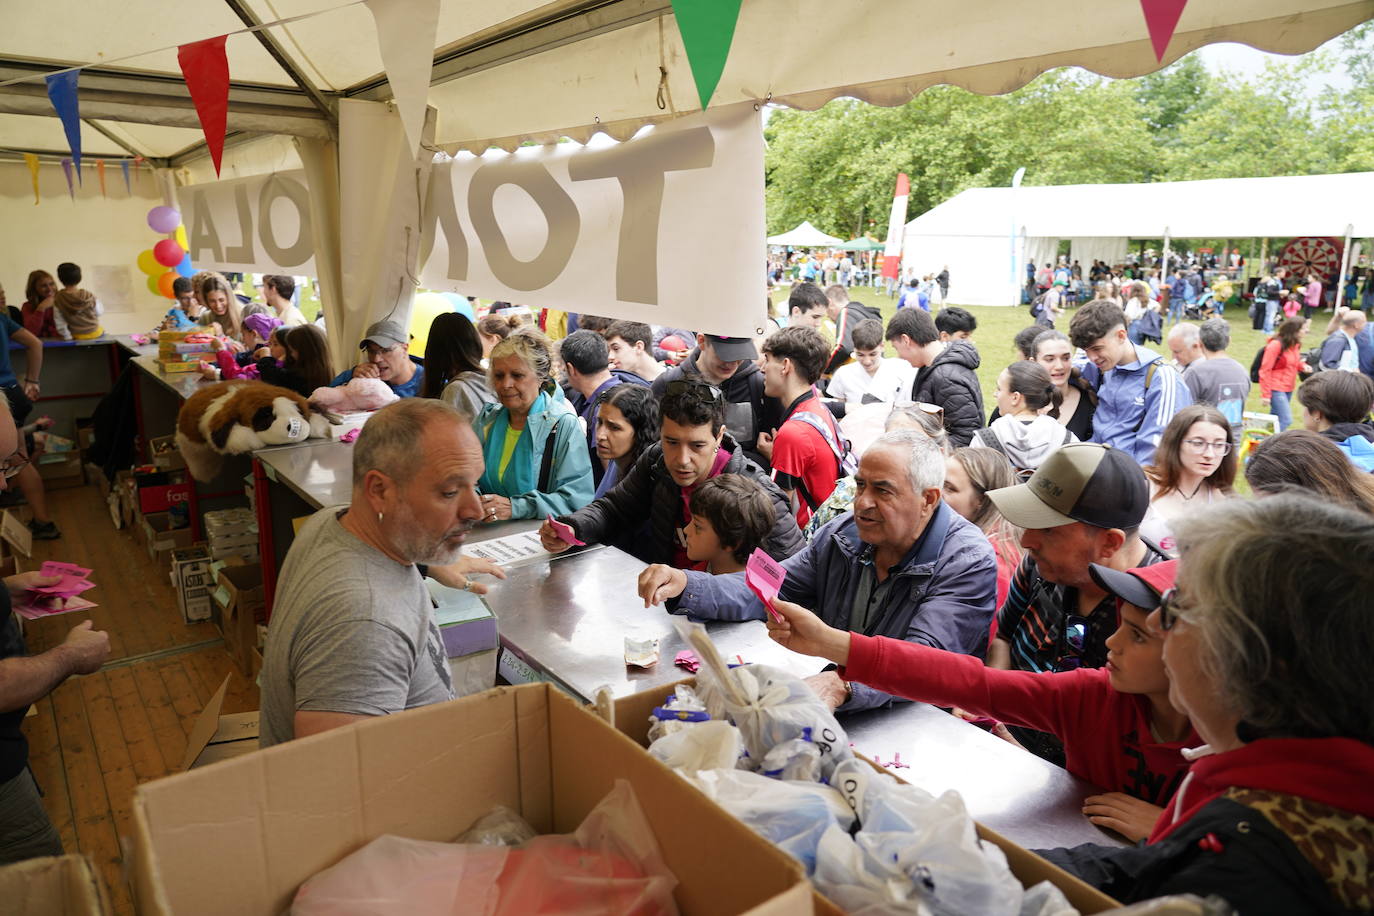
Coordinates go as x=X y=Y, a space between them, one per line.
x=565 y=532
x=764 y=576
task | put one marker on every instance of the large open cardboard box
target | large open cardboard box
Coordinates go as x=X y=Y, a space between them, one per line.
x=238 y=837
x=631 y=717
x=52 y=884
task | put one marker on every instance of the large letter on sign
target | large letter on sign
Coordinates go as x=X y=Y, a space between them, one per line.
x=304 y=246
x=639 y=166
x=204 y=235
x=559 y=212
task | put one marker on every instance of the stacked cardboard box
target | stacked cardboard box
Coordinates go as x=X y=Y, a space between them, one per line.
x=53 y=884
x=237 y=606
x=231 y=533
x=191 y=580
x=182 y=351
x=468 y=629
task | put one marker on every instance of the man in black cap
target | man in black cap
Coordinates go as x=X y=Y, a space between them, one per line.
x=729 y=364
x=1082 y=506
x=387 y=347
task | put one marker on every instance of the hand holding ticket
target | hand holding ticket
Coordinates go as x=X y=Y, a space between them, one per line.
x=565 y=532
x=765 y=576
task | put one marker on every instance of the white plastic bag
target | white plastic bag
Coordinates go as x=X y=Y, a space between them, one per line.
x=681 y=711
x=704 y=746
x=498 y=827
x=791 y=815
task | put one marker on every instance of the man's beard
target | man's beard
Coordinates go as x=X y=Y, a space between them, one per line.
x=415 y=546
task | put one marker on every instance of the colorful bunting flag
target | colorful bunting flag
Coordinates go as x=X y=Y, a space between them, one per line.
x=1161 y=18
x=405 y=36
x=707 y=28
x=32 y=162
x=124 y=167
x=62 y=94
x=67 y=170
x=205 y=67
x=100 y=171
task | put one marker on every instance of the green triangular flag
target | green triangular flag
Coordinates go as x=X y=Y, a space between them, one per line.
x=707 y=28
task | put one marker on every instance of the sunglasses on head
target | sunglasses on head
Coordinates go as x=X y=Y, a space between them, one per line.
x=706 y=394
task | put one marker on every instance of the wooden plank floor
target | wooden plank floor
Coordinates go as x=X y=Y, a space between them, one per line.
x=95 y=738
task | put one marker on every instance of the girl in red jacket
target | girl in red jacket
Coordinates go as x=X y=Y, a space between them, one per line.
x=1118 y=727
x=1278 y=374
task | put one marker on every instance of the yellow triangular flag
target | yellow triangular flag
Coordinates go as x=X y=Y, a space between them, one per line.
x=32 y=162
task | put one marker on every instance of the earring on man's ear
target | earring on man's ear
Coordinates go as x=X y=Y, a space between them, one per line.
x=380 y=517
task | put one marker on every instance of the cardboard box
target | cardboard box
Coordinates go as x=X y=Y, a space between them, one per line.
x=158 y=490
x=191 y=578
x=466 y=625
x=16 y=533
x=215 y=737
x=169 y=368
x=631 y=717
x=165 y=453
x=473 y=673
x=241 y=836
x=239 y=602
x=62 y=469
x=53 y=884
x=161 y=538
x=85 y=433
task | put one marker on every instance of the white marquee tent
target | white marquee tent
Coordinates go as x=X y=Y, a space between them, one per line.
x=805 y=236
x=986 y=235
x=516 y=70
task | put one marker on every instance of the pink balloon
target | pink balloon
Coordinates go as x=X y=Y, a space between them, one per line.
x=168 y=253
x=163 y=219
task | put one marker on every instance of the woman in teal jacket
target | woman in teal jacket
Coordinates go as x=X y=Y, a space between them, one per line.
x=535 y=450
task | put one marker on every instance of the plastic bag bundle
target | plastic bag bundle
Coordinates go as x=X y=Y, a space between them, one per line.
x=707 y=746
x=772 y=707
x=914 y=852
x=610 y=865
x=499 y=827
x=791 y=815
x=682 y=710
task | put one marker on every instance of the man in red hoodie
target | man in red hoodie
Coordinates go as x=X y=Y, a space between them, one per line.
x=1269 y=656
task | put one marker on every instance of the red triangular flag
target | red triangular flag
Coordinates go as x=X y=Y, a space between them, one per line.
x=1161 y=18
x=205 y=67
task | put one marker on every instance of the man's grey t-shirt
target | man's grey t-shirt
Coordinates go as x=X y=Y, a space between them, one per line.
x=1223 y=383
x=352 y=631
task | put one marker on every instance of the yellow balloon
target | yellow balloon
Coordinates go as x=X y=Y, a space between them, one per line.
x=153 y=286
x=147 y=262
x=180 y=236
x=422 y=314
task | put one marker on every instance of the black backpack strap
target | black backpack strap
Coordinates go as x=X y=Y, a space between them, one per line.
x=546 y=463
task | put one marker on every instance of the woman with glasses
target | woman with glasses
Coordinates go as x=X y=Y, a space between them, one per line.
x=1269 y=658
x=1195 y=465
x=1119 y=729
x=535 y=451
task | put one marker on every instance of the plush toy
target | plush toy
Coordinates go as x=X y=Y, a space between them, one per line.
x=234 y=417
x=357 y=394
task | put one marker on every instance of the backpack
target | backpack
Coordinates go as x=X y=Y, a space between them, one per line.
x=1037 y=306
x=1255 y=363
x=840 y=448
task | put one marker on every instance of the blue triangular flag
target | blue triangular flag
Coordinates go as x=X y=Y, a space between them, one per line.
x=62 y=94
x=124 y=167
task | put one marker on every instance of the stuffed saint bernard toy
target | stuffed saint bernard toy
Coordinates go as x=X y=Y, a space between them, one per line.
x=235 y=417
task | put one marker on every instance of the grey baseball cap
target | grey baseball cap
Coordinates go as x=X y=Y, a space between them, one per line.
x=386 y=334
x=733 y=349
x=1083 y=482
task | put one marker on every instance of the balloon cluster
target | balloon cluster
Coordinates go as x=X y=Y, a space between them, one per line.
x=170 y=253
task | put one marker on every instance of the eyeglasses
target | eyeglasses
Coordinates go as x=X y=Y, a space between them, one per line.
x=374 y=352
x=1169 y=605
x=706 y=394
x=1073 y=639
x=1202 y=445
x=13 y=465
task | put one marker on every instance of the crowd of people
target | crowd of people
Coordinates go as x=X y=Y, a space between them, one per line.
x=1075 y=569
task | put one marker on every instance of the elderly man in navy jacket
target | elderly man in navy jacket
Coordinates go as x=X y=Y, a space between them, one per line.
x=900 y=564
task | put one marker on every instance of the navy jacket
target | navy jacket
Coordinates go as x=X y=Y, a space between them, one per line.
x=942 y=596
x=1334 y=347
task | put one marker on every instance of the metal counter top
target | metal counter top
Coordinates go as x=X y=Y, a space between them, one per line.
x=568 y=617
x=319 y=471
x=181 y=384
x=1030 y=801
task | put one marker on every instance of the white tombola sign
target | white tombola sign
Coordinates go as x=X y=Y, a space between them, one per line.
x=665 y=228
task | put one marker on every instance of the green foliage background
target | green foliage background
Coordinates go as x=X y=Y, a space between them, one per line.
x=836 y=166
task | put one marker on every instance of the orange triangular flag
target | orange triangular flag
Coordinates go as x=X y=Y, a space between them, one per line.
x=100 y=170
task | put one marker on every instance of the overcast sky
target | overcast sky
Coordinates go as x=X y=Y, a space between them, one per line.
x=1248 y=62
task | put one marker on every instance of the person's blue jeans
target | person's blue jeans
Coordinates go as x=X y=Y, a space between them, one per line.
x=1271 y=311
x=1279 y=407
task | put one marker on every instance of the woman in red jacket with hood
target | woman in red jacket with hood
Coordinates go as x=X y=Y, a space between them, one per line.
x=1269 y=655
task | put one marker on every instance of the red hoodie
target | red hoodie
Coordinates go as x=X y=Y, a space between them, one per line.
x=1338 y=772
x=1106 y=733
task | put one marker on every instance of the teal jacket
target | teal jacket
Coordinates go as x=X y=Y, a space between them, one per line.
x=570 y=485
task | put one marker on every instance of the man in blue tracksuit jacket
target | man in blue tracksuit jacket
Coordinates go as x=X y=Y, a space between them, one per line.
x=1138 y=393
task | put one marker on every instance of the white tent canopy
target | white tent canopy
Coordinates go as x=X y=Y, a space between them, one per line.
x=985 y=235
x=805 y=236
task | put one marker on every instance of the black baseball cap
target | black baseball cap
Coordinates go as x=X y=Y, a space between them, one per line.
x=1143 y=586
x=1084 y=482
x=733 y=349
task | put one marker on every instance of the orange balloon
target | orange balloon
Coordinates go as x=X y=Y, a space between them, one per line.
x=164 y=284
